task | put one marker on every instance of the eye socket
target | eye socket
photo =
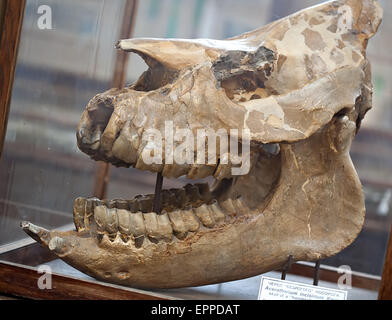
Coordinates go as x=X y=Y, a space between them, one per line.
x=243 y=74
x=246 y=86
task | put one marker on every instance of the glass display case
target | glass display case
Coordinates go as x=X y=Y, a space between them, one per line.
x=64 y=61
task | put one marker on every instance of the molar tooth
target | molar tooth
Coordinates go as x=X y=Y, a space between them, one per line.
x=146 y=203
x=169 y=200
x=204 y=215
x=91 y=203
x=223 y=170
x=133 y=205
x=121 y=204
x=200 y=171
x=124 y=221
x=158 y=226
x=204 y=191
x=216 y=212
x=228 y=206
x=153 y=167
x=180 y=197
x=100 y=218
x=164 y=226
x=240 y=206
x=191 y=222
x=137 y=225
x=193 y=195
x=79 y=209
x=111 y=225
x=179 y=227
x=175 y=170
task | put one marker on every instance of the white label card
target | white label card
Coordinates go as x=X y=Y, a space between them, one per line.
x=276 y=289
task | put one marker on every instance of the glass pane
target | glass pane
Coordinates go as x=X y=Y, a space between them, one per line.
x=58 y=70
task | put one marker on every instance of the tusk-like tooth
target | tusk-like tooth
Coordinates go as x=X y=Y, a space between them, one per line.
x=137 y=225
x=204 y=215
x=190 y=220
x=79 y=209
x=216 y=212
x=228 y=207
x=179 y=228
x=39 y=234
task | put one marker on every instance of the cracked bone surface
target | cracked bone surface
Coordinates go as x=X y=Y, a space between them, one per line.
x=301 y=85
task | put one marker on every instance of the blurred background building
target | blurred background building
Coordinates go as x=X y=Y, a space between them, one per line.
x=60 y=70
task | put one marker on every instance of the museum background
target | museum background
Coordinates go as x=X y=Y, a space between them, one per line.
x=59 y=70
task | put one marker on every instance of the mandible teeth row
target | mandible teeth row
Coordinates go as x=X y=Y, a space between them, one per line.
x=190 y=195
x=160 y=227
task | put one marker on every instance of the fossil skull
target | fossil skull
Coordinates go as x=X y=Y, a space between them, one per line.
x=300 y=86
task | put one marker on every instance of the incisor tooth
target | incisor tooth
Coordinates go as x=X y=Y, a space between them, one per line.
x=79 y=208
x=204 y=215
x=216 y=212
x=179 y=227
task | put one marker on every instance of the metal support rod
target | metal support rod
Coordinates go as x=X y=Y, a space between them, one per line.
x=158 y=189
x=287 y=267
x=316 y=273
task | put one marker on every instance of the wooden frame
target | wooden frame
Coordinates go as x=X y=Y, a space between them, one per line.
x=10 y=27
x=385 y=292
